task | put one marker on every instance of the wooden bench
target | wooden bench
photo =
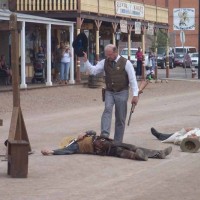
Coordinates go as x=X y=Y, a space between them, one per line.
x=18 y=158
x=1 y=122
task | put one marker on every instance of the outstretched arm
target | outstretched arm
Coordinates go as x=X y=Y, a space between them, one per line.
x=47 y=152
x=87 y=133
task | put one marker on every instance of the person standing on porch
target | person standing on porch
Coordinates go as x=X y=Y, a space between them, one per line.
x=65 y=64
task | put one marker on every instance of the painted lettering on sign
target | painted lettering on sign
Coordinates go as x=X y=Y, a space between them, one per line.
x=129 y=9
x=184 y=19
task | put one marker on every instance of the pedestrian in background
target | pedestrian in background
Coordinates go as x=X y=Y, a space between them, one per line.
x=139 y=57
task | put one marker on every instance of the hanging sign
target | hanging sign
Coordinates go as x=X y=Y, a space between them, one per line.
x=150 y=30
x=123 y=26
x=137 y=27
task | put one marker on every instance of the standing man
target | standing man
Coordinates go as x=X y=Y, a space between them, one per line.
x=139 y=56
x=119 y=74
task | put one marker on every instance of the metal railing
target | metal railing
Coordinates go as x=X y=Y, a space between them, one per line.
x=46 y=5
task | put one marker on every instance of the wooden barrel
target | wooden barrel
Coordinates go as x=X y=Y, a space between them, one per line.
x=95 y=81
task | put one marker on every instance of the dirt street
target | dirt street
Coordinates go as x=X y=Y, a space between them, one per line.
x=53 y=113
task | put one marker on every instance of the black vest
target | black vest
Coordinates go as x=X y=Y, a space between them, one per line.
x=116 y=77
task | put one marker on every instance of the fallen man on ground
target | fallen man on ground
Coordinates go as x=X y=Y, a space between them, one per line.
x=90 y=143
x=187 y=138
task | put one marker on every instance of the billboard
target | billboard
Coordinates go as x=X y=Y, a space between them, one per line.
x=184 y=19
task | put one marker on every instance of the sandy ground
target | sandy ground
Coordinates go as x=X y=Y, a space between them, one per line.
x=53 y=113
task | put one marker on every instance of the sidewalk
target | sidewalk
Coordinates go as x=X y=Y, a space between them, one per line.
x=177 y=73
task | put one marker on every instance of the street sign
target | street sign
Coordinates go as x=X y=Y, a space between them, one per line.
x=182 y=37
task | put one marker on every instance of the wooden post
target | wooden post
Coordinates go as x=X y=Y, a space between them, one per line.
x=156 y=52
x=12 y=5
x=98 y=24
x=143 y=51
x=18 y=137
x=167 y=56
x=114 y=25
x=78 y=73
x=130 y=27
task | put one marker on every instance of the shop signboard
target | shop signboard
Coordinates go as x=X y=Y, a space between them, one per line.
x=134 y=10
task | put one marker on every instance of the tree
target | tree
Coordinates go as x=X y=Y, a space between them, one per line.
x=162 y=40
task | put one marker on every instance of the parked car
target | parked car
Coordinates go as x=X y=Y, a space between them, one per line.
x=161 y=60
x=133 y=59
x=182 y=60
x=195 y=58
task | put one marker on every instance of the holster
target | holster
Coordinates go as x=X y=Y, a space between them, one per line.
x=102 y=146
x=103 y=94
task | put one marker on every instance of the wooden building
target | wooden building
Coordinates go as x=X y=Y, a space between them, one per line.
x=102 y=20
x=30 y=40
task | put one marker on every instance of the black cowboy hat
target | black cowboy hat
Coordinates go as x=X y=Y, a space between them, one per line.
x=80 y=44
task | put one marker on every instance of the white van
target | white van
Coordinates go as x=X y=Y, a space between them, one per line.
x=183 y=56
x=186 y=49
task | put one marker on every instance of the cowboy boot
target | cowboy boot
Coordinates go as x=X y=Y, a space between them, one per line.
x=150 y=153
x=160 y=136
x=163 y=153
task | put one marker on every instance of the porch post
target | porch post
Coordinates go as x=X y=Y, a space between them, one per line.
x=98 y=24
x=114 y=26
x=156 y=52
x=129 y=41
x=167 y=55
x=71 y=33
x=143 y=50
x=49 y=82
x=79 y=22
x=23 y=70
x=97 y=45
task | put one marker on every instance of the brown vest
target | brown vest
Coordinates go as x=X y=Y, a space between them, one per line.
x=116 y=77
x=86 y=145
